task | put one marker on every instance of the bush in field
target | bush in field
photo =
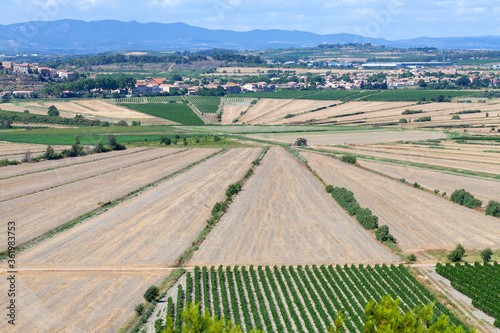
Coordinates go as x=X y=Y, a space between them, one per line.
x=457 y=254
x=233 y=189
x=122 y=123
x=139 y=309
x=53 y=111
x=403 y=121
x=493 y=208
x=466 y=199
x=351 y=159
x=412 y=258
x=422 y=119
x=366 y=218
x=301 y=142
x=346 y=199
x=166 y=141
x=219 y=207
x=455 y=117
x=50 y=154
x=152 y=293
x=329 y=188
x=382 y=234
x=486 y=254
x=113 y=144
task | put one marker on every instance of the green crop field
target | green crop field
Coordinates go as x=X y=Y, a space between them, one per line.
x=88 y=135
x=178 y=112
x=302 y=299
x=205 y=104
x=332 y=95
x=415 y=95
x=479 y=282
x=278 y=94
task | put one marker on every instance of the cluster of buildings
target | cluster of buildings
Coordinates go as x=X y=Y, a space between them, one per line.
x=34 y=68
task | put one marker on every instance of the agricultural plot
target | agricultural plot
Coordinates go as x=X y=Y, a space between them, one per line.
x=268 y=111
x=278 y=94
x=284 y=216
x=302 y=299
x=178 y=112
x=479 y=281
x=25 y=168
x=32 y=107
x=154 y=228
x=43 y=211
x=460 y=163
x=419 y=220
x=482 y=189
x=351 y=137
x=58 y=301
x=205 y=104
x=230 y=113
x=332 y=95
x=10 y=148
x=43 y=180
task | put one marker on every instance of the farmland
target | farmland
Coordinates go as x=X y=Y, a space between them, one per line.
x=178 y=112
x=284 y=226
x=301 y=299
x=436 y=223
x=43 y=211
x=205 y=104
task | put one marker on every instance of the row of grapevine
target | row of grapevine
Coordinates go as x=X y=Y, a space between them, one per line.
x=300 y=299
x=205 y=104
x=481 y=282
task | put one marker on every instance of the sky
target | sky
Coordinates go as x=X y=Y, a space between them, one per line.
x=390 y=19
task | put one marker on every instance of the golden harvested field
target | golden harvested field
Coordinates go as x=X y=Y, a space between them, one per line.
x=11 y=148
x=43 y=211
x=455 y=162
x=18 y=186
x=21 y=169
x=272 y=111
x=78 y=302
x=284 y=216
x=346 y=108
x=33 y=107
x=351 y=137
x=483 y=189
x=419 y=220
x=230 y=113
x=155 y=227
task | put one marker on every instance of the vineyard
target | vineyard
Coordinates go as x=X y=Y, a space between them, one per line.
x=205 y=104
x=178 y=112
x=160 y=99
x=302 y=299
x=416 y=95
x=479 y=282
x=333 y=95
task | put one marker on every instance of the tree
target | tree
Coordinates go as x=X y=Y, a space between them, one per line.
x=301 y=142
x=139 y=309
x=53 y=111
x=113 y=144
x=382 y=234
x=493 y=208
x=351 y=159
x=486 y=254
x=152 y=293
x=457 y=254
x=165 y=140
x=466 y=199
x=5 y=99
x=386 y=317
x=422 y=83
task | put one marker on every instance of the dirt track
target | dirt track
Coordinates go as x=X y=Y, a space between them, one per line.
x=419 y=220
x=154 y=228
x=33 y=182
x=39 y=212
x=79 y=302
x=482 y=189
x=284 y=216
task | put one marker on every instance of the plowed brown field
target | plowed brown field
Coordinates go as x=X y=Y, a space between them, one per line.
x=284 y=216
x=419 y=220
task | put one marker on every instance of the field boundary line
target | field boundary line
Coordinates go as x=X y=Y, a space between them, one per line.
x=96 y=175
x=70 y=224
x=65 y=166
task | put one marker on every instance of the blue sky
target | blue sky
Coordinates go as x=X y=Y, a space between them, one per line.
x=391 y=19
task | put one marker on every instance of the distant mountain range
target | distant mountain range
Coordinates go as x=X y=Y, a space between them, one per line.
x=74 y=36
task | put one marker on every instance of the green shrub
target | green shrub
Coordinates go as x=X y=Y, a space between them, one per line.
x=412 y=111
x=351 y=159
x=382 y=234
x=466 y=199
x=219 y=207
x=366 y=218
x=455 y=117
x=493 y=208
x=346 y=199
x=139 y=309
x=457 y=254
x=152 y=293
x=301 y=142
x=486 y=254
x=403 y=121
x=113 y=144
x=412 y=258
x=233 y=189
x=422 y=119
x=329 y=188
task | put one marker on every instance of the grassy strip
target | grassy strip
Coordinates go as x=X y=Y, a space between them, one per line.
x=217 y=211
x=296 y=154
x=136 y=321
x=104 y=207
